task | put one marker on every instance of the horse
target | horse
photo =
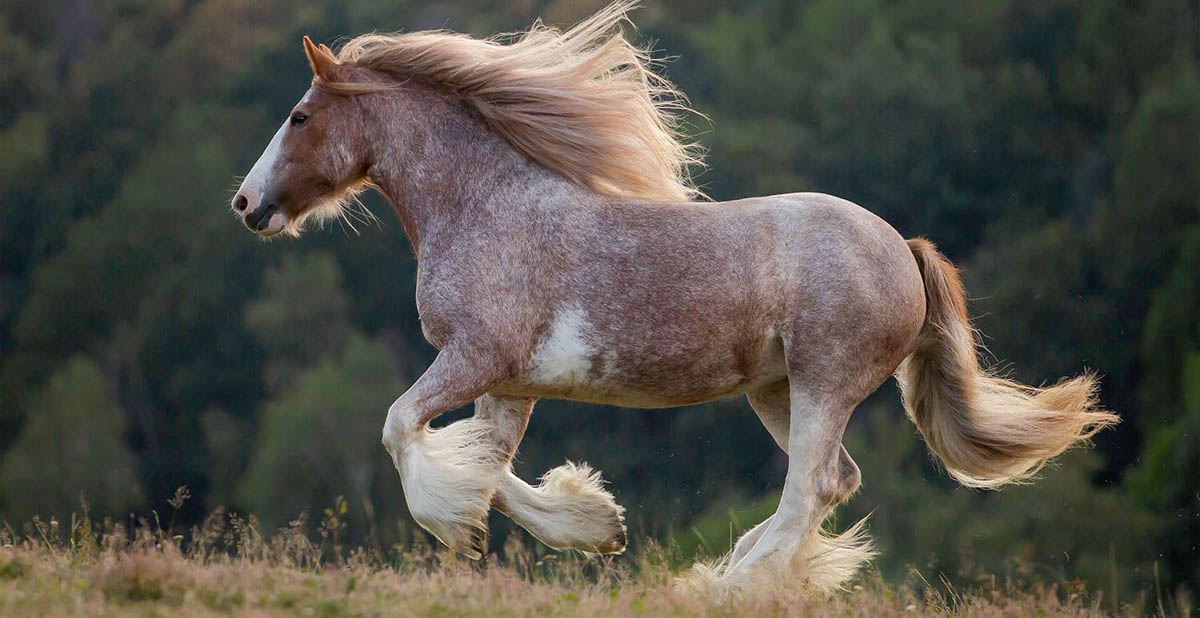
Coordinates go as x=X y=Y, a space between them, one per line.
x=563 y=251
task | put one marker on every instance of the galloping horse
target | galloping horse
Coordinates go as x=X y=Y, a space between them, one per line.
x=563 y=252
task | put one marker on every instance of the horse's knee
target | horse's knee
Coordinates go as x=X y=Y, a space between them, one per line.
x=391 y=439
x=395 y=432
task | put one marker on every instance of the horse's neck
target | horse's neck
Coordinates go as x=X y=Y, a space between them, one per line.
x=444 y=170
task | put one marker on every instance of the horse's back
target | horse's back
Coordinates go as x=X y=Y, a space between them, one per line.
x=823 y=252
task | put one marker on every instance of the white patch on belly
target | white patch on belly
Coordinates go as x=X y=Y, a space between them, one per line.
x=563 y=357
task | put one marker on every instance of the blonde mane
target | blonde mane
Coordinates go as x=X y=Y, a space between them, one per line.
x=584 y=103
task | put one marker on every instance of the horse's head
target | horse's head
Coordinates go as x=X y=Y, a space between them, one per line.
x=316 y=160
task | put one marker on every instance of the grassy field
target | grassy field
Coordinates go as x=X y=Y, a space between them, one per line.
x=226 y=567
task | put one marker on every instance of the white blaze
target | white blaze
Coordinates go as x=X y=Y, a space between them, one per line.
x=254 y=183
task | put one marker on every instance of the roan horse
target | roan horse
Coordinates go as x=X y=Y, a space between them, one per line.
x=563 y=252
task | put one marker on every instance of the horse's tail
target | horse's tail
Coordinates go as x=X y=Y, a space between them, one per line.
x=986 y=430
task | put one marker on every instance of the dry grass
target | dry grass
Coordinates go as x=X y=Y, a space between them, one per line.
x=226 y=567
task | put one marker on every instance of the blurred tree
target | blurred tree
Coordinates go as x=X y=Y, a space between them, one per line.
x=1167 y=483
x=1172 y=336
x=1144 y=234
x=1122 y=46
x=300 y=317
x=320 y=439
x=891 y=115
x=1074 y=292
x=72 y=448
x=1166 y=478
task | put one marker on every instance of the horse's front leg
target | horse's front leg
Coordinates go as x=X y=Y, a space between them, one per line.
x=450 y=474
x=569 y=509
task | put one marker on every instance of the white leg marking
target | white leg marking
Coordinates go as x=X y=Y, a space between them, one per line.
x=449 y=477
x=568 y=509
x=791 y=550
x=747 y=541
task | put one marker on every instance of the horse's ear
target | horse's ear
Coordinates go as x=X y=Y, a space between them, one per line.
x=324 y=65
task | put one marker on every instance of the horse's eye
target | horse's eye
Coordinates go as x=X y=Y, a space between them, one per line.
x=298 y=118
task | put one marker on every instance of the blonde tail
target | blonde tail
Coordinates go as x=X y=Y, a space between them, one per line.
x=986 y=430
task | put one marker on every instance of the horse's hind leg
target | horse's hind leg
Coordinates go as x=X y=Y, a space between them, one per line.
x=791 y=546
x=772 y=404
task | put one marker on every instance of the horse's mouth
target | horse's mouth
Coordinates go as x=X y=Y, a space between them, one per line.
x=268 y=223
x=269 y=232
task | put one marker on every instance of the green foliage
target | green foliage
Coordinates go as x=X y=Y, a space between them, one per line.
x=72 y=448
x=824 y=96
x=1166 y=480
x=1121 y=291
x=320 y=439
x=714 y=531
x=1172 y=333
x=301 y=315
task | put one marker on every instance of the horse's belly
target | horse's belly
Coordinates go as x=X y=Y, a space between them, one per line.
x=640 y=395
x=574 y=362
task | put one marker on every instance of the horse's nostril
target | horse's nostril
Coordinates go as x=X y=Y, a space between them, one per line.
x=239 y=203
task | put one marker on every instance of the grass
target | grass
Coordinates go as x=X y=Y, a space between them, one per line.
x=226 y=566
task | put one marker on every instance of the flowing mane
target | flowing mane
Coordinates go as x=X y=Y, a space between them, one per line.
x=584 y=102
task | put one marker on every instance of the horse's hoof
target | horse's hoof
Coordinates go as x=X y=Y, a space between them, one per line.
x=616 y=544
x=477 y=543
x=463 y=529
x=467 y=540
x=574 y=511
